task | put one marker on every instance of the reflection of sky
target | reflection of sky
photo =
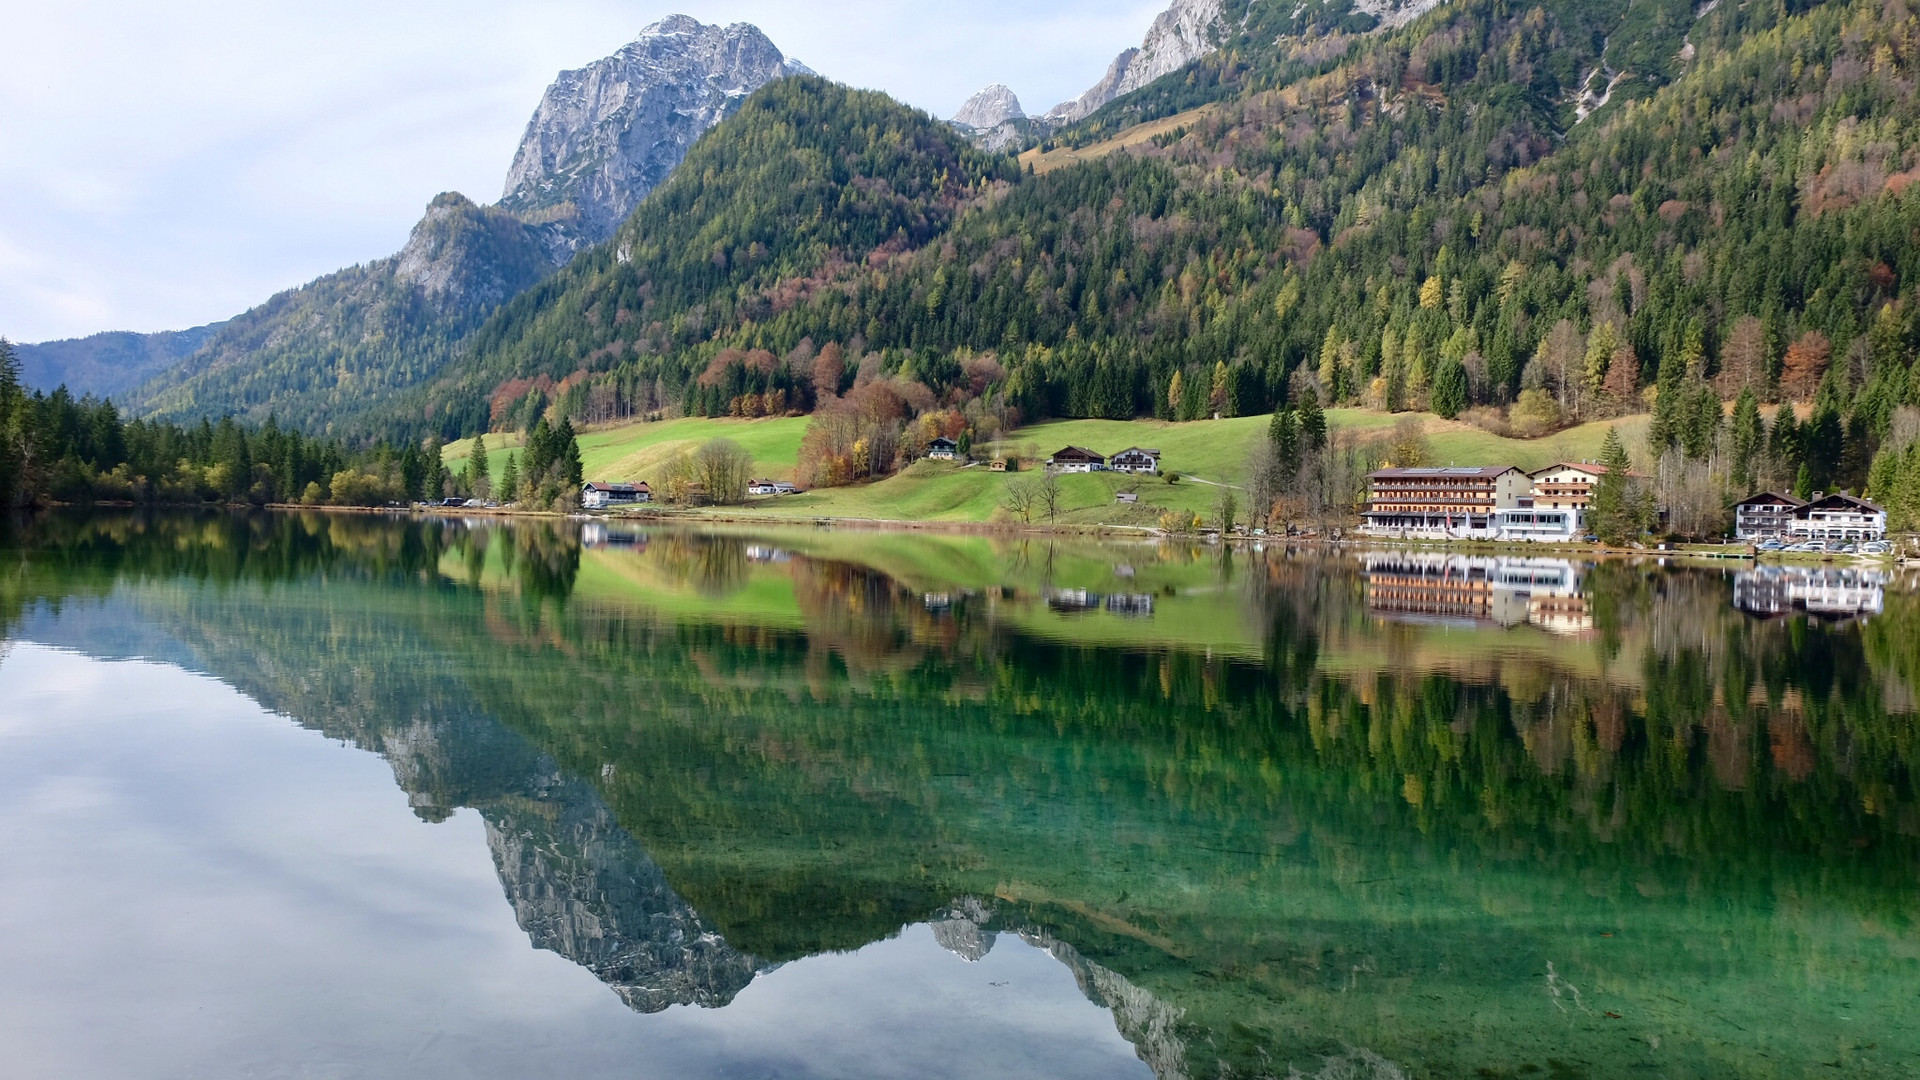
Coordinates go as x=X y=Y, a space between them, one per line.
x=194 y=887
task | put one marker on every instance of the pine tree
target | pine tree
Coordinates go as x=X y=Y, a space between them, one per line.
x=1313 y=424
x=482 y=474
x=1669 y=407
x=1616 y=514
x=567 y=455
x=510 y=479
x=1450 y=389
x=11 y=458
x=1285 y=434
x=1749 y=438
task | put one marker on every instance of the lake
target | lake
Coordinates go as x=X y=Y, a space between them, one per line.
x=351 y=796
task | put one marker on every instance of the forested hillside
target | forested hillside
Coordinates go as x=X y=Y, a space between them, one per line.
x=808 y=186
x=325 y=354
x=1546 y=212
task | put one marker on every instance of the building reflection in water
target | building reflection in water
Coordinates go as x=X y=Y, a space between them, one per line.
x=1835 y=593
x=1477 y=590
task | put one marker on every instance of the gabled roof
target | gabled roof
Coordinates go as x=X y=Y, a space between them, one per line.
x=604 y=485
x=1483 y=472
x=940 y=440
x=1139 y=450
x=1081 y=451
x=1771 y=497
x=1840 y=499
x=1593 y=467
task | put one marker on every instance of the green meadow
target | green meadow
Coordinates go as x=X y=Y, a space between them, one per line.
x=1204 y=454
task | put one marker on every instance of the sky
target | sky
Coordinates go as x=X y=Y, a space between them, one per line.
x=171 y=165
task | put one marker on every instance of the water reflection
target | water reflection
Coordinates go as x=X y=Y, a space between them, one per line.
x=1399 y=811
x=1824 y=592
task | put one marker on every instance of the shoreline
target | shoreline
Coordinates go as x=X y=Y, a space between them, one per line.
x=688 y=516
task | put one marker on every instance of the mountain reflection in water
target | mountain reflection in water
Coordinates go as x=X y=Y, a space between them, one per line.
x=1391 y=813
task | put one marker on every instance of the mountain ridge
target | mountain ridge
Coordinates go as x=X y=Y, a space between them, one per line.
x=601 y=137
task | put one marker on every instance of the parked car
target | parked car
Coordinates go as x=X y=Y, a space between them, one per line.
x=1874 y=547
x=1770 y=545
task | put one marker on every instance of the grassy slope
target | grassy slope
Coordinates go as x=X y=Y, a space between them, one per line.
x=1210 y=450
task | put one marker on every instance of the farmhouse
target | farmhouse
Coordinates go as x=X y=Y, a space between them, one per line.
x=943 y=449
x=600 y=494
x=1767 y=515
x=1135 y=459
x=1076 y=459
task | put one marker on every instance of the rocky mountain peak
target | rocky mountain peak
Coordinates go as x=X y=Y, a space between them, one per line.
x=469 y=257
x=606 y=134
x=1183 y=33
x=988 y=109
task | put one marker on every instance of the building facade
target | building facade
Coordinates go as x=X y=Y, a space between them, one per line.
x=1136 y=459
x=1077 y=459
x=1765 y=516
x=1567 y=485
x=599 y=494
x=1839 y=517
x=1443 y=502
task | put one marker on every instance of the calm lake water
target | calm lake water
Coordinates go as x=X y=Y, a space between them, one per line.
x=314 y=796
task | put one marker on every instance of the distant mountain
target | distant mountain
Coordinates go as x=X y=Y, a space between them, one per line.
x=341 y=343
x=1180 y=35
x=107 y=364
x=807 y=179
x=323 y=354
x=606 y=134
x=989 y=109
x=993 y=119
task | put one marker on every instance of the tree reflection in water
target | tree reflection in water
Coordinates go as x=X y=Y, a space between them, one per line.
x=1300 y=810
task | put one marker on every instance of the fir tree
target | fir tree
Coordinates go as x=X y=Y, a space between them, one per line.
x=481 y=482
x=510 y=479
x=1749 y=438
x=1617 y=514
x=1312 y=423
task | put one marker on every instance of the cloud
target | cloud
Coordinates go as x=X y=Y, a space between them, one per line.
x=169 y=165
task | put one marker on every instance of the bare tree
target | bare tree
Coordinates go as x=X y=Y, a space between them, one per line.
x=1263 y=482
x=1019 y=498
x=1692 y=495
x=1047 y=496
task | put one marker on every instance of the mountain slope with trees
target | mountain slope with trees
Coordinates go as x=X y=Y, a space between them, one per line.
x=328 y=351
x=1456 y=214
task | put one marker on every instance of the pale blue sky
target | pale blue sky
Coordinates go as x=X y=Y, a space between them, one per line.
x=169 y=165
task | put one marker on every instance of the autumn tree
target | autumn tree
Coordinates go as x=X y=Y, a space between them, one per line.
x=1804 y=366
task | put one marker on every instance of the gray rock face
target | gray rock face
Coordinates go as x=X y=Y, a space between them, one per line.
x=608 y=133
x=1395 y=13
x=1183 y=33
x=582 y=887
x=988 y=109
x=469 y=257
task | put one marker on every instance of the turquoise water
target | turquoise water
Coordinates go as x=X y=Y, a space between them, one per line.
x=311 y=795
